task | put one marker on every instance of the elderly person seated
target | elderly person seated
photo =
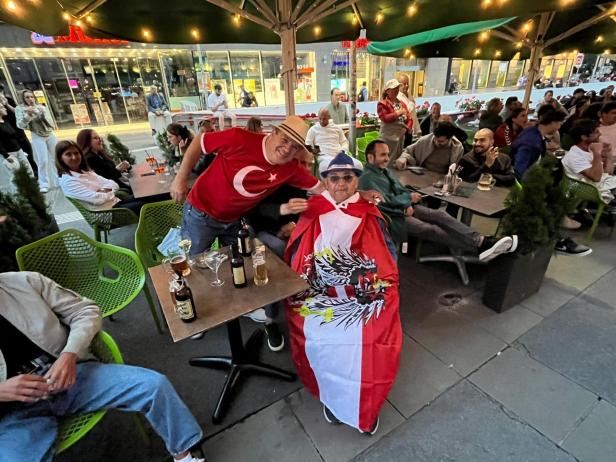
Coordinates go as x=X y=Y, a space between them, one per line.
x=410 y=218
x=485 y=158
x=158 y=111
x=47 y=373
x=345 y=328
x=435 y=152
x=77 y=181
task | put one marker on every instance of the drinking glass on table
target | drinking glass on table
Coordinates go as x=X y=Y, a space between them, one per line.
x=185 y=244
x=213 y=259
x=159 y=169
x=179 y=264
x=259 y=263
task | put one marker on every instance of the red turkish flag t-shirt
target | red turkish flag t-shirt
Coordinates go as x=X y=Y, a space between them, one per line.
x=241 y=176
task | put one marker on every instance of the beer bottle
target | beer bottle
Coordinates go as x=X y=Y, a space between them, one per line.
x=237 y=270
x=184 y=303
x=243 y=240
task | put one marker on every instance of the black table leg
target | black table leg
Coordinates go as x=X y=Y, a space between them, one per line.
x=243 y=359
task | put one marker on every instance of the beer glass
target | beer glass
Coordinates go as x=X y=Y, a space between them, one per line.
x=180 y=265
x=486 y=181
x=259 y=264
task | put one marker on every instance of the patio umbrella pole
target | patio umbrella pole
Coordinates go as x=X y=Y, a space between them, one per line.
x=289 y=62
x=353 y=98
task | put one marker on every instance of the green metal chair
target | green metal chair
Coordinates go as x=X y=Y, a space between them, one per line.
x=104 y=221
x=74 y=427
x=111 y=276
x=373 y=135
x=581 y=191
x=155 y=221
x=361 y=149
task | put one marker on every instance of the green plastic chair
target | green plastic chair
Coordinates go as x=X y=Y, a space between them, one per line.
x=75 y=427
x=361 y=149
x=373 y=135
x=105 y=220
x=111 y=276
x=581 y=191
x=155 y=221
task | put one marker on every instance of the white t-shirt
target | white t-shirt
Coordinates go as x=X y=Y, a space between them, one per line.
x=577 y=160
x=330 y=139
x=213 y=100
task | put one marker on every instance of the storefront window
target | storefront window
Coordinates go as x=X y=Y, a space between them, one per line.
x=247 y=75
x=305 y=88
x=480 y=73
x=109 y=91
x=132 y=87
x=513 y=74
x=340 y=68
x=57 y=90
x=460 y=73
x=218 y=71
x=181 y=79
x=498 y=74
x=272 y=64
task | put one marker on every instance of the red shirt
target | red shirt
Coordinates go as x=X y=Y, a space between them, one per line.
x=241 y=176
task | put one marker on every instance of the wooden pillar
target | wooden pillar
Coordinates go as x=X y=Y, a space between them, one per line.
x=353 y=98
x=289 y=62
x=535 y=64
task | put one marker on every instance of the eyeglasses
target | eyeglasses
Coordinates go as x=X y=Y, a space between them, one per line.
x=335 y=178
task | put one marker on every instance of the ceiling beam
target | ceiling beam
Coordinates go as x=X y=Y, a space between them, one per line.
x=503 y=35
x=580 y=27
x=262 y=7
x=358 y=16
x=327 y=13
x=314 y=12
x=89 y=8
x=235 y=10
x=297 y=10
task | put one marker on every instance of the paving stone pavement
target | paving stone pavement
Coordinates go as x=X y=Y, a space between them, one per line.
x=536 y=383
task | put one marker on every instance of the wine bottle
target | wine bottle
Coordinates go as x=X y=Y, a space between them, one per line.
x=238 y=271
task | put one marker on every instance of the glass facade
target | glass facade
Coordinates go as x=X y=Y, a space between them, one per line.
x=105 y=86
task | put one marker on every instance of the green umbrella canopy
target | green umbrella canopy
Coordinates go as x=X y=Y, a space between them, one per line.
x=464 y=40
x=207 y=21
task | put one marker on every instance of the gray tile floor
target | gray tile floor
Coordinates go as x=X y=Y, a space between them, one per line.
x=536 y=383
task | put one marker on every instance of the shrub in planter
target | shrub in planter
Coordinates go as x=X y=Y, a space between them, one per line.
x=118 y=151
x=26 y=218
x=534 y=213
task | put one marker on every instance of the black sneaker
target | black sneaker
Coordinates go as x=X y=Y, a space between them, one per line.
x=275 y=339
x=375 y=427
x=568 y=246
x=330 y=418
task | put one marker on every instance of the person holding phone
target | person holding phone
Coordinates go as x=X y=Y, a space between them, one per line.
x=180 y=137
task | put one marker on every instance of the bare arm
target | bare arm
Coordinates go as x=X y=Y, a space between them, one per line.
x=179 y=187
x=595 y=172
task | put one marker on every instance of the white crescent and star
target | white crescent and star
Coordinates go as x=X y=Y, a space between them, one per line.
x=238 y=180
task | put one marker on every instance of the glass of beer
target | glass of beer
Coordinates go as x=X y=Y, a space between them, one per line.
x=259 y=263
x=180 y=265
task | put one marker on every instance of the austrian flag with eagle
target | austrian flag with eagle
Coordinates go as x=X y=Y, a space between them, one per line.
x=345 y=329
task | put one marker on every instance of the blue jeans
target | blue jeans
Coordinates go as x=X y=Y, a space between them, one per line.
x=28 y=431
x=203 y=229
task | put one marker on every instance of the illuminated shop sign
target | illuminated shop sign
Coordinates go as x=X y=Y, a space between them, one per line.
x=75 y=36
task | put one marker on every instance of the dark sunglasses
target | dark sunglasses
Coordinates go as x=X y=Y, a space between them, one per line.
x=335 y=178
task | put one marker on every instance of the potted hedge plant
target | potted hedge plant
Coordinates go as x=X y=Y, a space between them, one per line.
x=534 y=213
x=24 y=218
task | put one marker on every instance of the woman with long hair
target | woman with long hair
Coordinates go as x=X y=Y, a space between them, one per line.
x=79 y=182
x=35 y=117
x=509 y=130
x=255 y=125
x=180 y=137
x=91 y=144
x=395 y=118
x=490 y=118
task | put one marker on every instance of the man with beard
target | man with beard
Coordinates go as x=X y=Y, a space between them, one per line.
x=485 y=158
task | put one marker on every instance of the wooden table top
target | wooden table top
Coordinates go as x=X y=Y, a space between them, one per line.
x=218 y=305
x=483 y=202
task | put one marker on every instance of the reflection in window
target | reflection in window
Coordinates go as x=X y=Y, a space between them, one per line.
x=272 y=66
x=498 y=73
x=246 y=79
x=181 y=79
x=460 y=73
x=218 y=72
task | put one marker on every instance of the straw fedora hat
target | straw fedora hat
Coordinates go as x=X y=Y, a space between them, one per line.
x=295 y=129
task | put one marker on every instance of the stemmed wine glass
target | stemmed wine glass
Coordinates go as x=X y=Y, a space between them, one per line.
x=213 y=259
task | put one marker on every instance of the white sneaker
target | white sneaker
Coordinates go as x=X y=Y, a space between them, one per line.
x=44 y=190
x=257 y=315
x=195 y=459
x=494 y=249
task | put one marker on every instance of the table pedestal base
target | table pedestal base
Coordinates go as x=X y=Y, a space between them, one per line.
x=243 y=360
x=457 y=258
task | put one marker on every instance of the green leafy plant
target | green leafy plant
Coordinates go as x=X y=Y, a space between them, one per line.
x=118 y=151
x=168 y=150
x=536 y=210
x=27 y=217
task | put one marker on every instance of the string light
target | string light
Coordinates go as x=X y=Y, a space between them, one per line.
x=477 y=51
x=379 y=18
x=518 y=45
x=79 y=23
x=66 y=16
x=89 y=19
x=412 y=56
x=599 y=39
x=146 y=34
x=484 y=36
x=236 y=19
x=486 y=3
x=195 y=33
x=411 y=10
x=317 y=30
x=528 y=26
x=407 y=51
x=11 y=5
x=497 y=54
x=354 y=20
x=607 y=52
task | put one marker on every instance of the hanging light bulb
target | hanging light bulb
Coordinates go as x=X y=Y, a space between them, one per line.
x=599 y=39
x=412 y=9
x=195 y=33
x=354 y=20
x=379 y=18
x=89 y=19
x=79 y=23
x=146 y=34
x=407 y=51
x=236 y=19
x=497 y=54
x=607 y=51
x=317 y=30
x=528 y=26
x=66 y=16
x=477 y=51
x=11 y=5
x=486 y=3
x=485 y=35
x=518 y=45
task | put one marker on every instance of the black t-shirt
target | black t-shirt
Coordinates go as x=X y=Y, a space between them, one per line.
x=18 y=350
x=8 y=138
